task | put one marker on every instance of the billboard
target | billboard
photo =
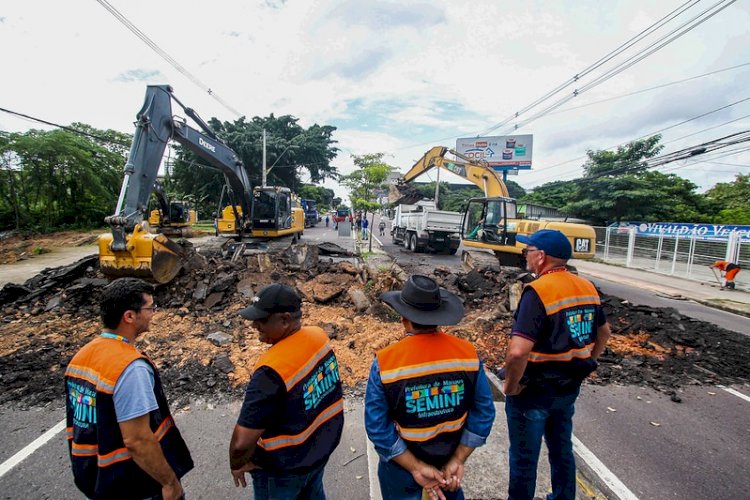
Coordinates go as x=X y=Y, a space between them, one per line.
x=510 y=152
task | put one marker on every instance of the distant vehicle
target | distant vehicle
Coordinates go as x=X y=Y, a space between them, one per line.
x=342 y=214
x=311 y=213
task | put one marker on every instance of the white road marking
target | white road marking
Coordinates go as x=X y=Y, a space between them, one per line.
x=734 y=392
x=372 y=472
x=613 y=482
x=31 y=448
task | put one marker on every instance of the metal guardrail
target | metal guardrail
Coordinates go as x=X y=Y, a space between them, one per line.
x=683 y=256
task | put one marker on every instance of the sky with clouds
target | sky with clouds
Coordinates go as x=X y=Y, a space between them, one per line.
x=394 y=76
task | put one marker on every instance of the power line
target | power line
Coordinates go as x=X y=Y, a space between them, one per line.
x=624 y=46
x=649 y=89
x=683 y=154
x=163 y=54
x=69 y=129
x=651 y=49
x=702 y=115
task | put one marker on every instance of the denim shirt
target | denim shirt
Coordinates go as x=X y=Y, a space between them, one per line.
x=382 y=430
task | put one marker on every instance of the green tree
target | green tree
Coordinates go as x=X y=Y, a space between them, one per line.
x=515 y=190
x=323 y=196
x=369 y=177
x=290 y=150
x=58 y=179
x=729 y=201
x=616 y=185
x=628 y=159
x=552 y=194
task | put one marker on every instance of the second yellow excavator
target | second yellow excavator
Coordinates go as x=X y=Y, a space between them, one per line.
x=491 y=222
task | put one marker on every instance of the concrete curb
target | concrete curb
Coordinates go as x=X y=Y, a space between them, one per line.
x=592 y=485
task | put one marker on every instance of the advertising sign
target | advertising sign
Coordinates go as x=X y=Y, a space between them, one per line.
x=511 y=152
x=687 y=230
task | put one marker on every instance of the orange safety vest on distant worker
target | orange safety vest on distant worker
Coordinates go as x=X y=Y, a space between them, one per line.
x=314 y=406
x=429 y=381
x=561 y=358
x=730 y=270
x=102 y=465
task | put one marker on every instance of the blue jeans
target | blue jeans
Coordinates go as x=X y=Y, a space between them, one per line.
x=530 y=418
x=269 y=486
x=396 y=483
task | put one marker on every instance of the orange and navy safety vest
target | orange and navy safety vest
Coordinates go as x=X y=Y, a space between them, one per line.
x=561 y=357
x=102 y=465
x=314 y=405
x=429 y=381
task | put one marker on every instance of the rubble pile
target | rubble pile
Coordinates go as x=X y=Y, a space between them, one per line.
x=204 y=349
x=664 y=349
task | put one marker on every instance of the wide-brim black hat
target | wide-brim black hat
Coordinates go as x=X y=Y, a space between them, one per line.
x=423 y=302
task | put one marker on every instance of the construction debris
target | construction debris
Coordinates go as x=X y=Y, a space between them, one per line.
x=204 y=349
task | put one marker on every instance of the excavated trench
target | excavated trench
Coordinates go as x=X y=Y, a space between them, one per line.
x=204 y=349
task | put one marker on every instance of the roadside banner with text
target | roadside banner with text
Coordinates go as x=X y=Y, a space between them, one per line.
x=686 y=229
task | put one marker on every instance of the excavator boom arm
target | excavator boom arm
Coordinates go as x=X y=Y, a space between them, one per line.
x=482 y=176
x=130 y=249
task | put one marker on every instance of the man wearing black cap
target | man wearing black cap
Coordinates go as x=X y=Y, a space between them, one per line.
x=428 y=402
x=558 y=333
x=292 y=416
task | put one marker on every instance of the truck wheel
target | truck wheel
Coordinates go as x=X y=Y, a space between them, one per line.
x=407 y=240
x=413 y=243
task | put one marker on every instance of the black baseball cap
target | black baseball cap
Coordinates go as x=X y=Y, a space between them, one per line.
x=274 y=298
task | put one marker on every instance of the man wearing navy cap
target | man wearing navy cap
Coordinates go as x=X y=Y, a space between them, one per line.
x=292 y=416
x=559 y=332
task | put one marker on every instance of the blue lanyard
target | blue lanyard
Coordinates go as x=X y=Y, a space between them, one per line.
x=108 y=335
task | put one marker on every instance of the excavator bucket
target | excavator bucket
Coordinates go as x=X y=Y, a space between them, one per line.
x=403 y=193
x=153 y=257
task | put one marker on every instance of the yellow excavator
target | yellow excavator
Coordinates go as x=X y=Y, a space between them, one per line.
x=173 y=217
x=277 y=212
x=130 y=249
x=491 y=222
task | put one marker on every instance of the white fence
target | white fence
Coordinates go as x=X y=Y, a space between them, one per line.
x=682 y=256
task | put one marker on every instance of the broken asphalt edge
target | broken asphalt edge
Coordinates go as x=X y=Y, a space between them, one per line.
x=590 y=482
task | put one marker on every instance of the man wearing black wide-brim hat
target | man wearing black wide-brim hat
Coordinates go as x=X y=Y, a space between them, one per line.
x=428 y=402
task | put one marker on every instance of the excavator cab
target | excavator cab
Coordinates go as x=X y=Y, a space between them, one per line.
x=276 y=212
x=487 y=225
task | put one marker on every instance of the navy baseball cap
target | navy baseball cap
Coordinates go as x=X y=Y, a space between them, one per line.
x=552 y=241
x=274 y=298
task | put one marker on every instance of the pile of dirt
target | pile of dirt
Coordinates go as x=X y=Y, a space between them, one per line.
x=204 y=349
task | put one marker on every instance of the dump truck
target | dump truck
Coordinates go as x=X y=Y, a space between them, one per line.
x=422 y=227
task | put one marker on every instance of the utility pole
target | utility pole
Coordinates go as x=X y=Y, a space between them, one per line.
x=264 y=158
